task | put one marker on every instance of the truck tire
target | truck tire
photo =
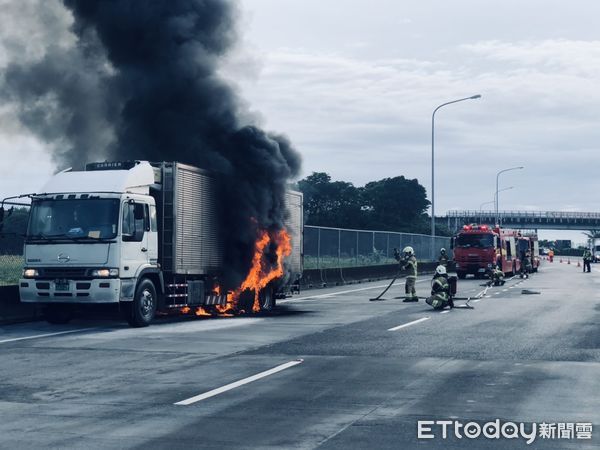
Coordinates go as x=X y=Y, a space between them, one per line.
x=58 y=314
x=460 y=274
x=143 y=307
x=267 y=299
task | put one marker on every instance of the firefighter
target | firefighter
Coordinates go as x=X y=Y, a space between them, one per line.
x=497 y=276
x=408 y=262
x=440 y=290
x=443 y=259
x=526 y=266
x=587 y=259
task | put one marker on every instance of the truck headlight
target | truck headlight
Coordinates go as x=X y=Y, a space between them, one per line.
x=105 y=273
x=30 y=273
x=489 y=265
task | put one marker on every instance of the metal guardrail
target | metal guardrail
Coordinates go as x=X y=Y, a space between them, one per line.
x=526 y=214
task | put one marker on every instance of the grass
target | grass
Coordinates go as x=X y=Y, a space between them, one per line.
x=11 y=267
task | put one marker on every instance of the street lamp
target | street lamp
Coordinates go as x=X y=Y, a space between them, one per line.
x=498 y=176
x=490 y=202
x=473 y=97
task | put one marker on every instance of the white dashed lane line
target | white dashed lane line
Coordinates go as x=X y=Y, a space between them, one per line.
x=414 y=322
x=239 y=383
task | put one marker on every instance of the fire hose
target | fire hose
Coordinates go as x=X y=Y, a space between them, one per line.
x=378 y=298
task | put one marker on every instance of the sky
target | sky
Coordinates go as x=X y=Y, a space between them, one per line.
x=353 y=84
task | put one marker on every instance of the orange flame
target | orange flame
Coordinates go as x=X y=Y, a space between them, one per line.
x=261 y=272
x=201 y=312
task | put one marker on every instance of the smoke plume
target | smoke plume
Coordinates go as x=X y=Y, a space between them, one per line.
x=141 y=82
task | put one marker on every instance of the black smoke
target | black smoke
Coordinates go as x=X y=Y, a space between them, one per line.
x=142 y=82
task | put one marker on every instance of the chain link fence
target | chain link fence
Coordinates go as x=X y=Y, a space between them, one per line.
x=326 y=248
x=12 y=230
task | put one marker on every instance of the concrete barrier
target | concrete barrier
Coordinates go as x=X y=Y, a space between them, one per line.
x=321 y=278
x=12 y=310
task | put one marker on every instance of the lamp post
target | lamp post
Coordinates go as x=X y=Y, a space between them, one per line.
x=490 y=202
x=497 y=177
x=473 y=97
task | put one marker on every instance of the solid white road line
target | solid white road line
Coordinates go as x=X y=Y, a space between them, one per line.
x=409 y=324
x=444 y=312
x=44 y=335
x=478 y=300
x=239 y=383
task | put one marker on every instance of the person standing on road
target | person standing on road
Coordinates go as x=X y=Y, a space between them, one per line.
x=443 y=259
x=409 y=263
x=551 y=255
x=587 y=259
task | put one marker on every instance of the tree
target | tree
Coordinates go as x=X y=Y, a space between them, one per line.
x=12 y=230
x=391 y=204
x=395 y=204
x=330 y=204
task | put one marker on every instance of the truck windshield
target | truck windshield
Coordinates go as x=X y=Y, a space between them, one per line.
x=73 y=219
x=474 y=240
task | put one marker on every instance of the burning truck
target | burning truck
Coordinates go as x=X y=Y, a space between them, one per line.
x=147 y=237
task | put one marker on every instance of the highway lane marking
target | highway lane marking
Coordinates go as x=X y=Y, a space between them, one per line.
x=333 y=294
x=44 y=335
x=423 y=319
x=239 y=383
x=478 y=300
x=444 y=312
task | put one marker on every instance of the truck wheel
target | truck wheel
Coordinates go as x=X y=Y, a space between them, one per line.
x=267 y=299
x=143 y=306
x=58 y=314
x=461 y=275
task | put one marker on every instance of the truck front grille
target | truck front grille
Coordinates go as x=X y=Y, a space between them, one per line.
x=71 y=273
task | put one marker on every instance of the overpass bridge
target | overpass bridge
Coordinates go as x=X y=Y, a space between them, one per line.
x=546 y=220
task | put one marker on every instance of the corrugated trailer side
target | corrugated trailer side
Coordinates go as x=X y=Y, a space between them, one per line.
x=197 y=247
x=295 y=226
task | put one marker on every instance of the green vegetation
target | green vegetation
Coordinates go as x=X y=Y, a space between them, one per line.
x=390 y=204
x=11 y=267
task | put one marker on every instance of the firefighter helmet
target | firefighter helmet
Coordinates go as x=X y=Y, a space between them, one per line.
x=442 y=251
x=408 y=251
x=440 y=270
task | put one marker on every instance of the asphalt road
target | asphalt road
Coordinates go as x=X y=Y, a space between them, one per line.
x=341 y=379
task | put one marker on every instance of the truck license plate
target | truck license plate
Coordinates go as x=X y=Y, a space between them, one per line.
x=61 y=285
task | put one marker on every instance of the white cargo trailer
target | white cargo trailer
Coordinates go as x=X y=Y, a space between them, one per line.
x=138 y=234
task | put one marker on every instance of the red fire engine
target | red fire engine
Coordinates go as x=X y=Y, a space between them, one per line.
x=528 y=242
x=478 y=248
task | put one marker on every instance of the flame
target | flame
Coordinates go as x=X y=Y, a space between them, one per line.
x=261 y=272
x=201 y=312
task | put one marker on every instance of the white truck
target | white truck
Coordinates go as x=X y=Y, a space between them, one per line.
x=595 y=250
x=141 y=235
